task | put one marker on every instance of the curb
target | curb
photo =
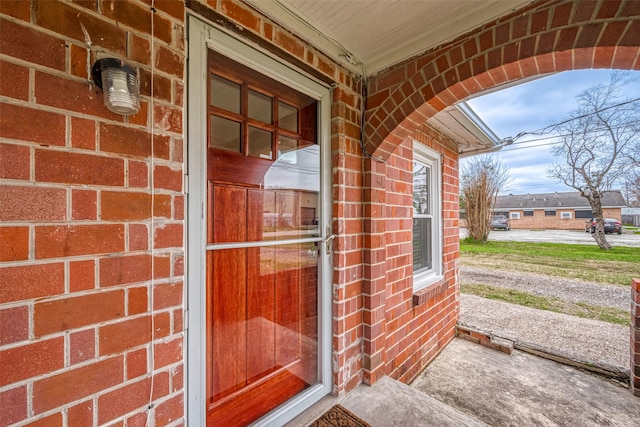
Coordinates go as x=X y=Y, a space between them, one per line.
x=507 y=346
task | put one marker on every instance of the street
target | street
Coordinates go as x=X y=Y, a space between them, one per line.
x=559 y=236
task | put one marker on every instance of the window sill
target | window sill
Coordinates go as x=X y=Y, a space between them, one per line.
x=430 y=291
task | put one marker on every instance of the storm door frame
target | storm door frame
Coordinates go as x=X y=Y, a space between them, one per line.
x=202 y=36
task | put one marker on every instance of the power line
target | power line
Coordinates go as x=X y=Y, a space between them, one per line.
x=551 y=137
x=549 y=128
x=532 y=146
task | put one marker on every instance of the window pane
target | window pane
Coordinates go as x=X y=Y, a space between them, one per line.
x=286 y=145
x=287 y=117
x=225 y=94
x=225 y=134
x=259 y=107
x=259 y=143
x=422 y=247
x=584 y=214
x=421 y=184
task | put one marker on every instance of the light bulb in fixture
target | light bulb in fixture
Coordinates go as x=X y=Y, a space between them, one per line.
x=120 y=85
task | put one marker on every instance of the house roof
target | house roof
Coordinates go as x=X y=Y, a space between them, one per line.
x=464 y=126
x=568 y=200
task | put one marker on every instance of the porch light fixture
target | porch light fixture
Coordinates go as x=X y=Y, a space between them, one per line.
x=120 y=85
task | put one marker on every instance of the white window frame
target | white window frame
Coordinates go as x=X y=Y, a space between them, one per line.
x=566 y=215
x=426 y=156
x=203 y=36
x=514 y=215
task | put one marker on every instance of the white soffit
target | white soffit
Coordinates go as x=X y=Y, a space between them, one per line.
x=381 y=33
x=463 y=125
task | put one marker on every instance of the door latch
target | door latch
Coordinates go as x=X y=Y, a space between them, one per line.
x=327 y=243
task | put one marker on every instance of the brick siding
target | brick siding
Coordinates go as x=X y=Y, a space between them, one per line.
x=92 y=203
x=403 y=331
x=540 y=221
x=635 y=337
x=544 y=37
x=93 y=211
x=89 y=313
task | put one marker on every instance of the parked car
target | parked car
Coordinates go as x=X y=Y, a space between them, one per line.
x=500 y=222
x=611 y=225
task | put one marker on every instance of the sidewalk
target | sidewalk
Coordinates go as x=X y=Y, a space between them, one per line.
x=586 y=341
x=524 y=390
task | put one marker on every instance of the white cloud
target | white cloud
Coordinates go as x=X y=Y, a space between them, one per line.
x=529 y=107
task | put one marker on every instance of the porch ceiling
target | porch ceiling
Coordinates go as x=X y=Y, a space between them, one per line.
x=377 y=34
x=368 y=36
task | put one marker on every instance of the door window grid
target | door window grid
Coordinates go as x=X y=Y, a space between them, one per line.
x=236 y=102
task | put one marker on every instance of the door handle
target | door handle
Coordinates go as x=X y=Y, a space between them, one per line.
x=327 y=243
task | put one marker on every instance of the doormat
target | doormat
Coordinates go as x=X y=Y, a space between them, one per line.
x=338 y=416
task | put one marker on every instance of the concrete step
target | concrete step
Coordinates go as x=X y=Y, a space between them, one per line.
x=392 y=403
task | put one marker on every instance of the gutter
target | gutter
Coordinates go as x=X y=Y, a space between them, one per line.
x=475 y=120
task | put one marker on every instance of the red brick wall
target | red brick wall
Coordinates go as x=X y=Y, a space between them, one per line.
x=92 y=211
x=543 y=37
x=540 y=221
x=635 y=337
x=403 y=330
x=347 y=181
x=92 y=204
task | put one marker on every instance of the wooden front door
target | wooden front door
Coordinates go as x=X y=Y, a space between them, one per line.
x=262 y=243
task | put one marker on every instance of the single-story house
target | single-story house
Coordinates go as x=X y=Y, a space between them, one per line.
x=555 y=211
x=273 y=218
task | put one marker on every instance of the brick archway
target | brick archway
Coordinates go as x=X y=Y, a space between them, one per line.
x=547 y=37
x=544 y=38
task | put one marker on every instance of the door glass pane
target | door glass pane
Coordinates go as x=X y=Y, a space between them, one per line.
x=282 y=214
x=262 y=301
x=225 y=94
x=268 y=321
x=286 y=145
x=260 y=107
x=421 y=184
x=259 y=143
x=287 y=117
x=295 y=178
x=225 y=134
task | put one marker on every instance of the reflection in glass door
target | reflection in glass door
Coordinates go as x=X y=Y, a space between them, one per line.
x=263 y=183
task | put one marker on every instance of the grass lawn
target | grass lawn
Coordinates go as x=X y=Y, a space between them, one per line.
x=586 y=262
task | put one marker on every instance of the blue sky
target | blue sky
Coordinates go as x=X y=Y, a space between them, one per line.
x=531 y=106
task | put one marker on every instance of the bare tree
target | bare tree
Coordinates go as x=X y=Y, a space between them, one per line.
x=631 y=189
x=481 y=181
x=600 y=140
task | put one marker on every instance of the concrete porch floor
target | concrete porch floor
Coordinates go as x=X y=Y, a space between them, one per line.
x=472 y=385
